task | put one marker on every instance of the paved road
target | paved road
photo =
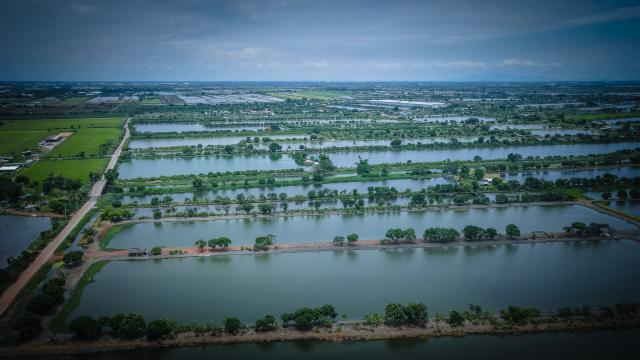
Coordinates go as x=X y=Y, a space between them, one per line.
x=45 y=255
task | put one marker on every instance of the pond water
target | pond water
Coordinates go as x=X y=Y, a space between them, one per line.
x=399 y=184
x=309 y=229
x=249 y=286
x=552 y=132
x=18 y=232
x=177 y=166
x=630 y=206
x=553 y=175
x=204 y=141
x=620 y=345
x=187 y=127
x=431 y=119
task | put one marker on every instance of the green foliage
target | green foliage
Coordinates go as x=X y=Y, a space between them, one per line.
x=305 y=318
x=85 y=328
x=373 y=320
x=128 y=326
x=156 y=250
x=519 y=315
x=455 y=318
x=512 y=230
x=28 y=326
x=412 y=314
x=352 y=238
x=72 y=258
x=268 y=323
x=115 y=214
x=159 y=329
x=263 y=242
x=232 y=325
x=440 y=235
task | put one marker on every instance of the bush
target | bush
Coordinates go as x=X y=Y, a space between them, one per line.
x=455 y=318
x=72 y=258
x=128 y=326
x=159 y=329
x=232 y=325
x=156 y=250
x=373 y=320
x=85 y=328
x=519 y=315
x=268 y=323
x=305 y=318
x=28 y=327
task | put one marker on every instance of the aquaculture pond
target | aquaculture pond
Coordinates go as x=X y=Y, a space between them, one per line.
x=18 y=232
x=249 y=286
x=309 y=229
x=361 y=186
x=185 y=127
x=204 y=141
x=631 y=206
x=553 y=175
x=177 y=166
x=620 y=345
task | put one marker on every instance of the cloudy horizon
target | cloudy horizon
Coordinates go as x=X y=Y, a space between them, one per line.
x=301 y=40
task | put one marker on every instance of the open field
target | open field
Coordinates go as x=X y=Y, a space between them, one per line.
x=72 y=123
x=87 y=140
x=75 y=169
x=14 y=141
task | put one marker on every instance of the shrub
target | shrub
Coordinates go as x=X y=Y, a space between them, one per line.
x=85 y=328
x=159 y=329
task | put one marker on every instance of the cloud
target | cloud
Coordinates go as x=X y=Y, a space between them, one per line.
x=622 y=13
x=82 y=9
x=527 y=63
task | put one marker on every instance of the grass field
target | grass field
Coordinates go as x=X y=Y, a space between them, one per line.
x=603 y=116
x=87 y=140
x=58 y=124
x=318 y=95
x=14 y=141
x=75 y=169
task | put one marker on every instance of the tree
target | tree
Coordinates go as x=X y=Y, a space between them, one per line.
x=28 y=326
x=155 y=201
x=268 y=323
x=622 y=194
x=111 y=176
x=473 y=233
x=232 y=325
x=455 y=318
x=265 y=208
x=440 y=235
x=263 y=242
x=490 y=233
x=325 y=164
x=519 y=315
x=128 y=326
x=156 y=250
x=512 y=230
x=338 y=240
x=396 y=142
x=86 y=328
x=394 y=314
x=200 y=244
x=197 y=183
x=159 y=329
x=416 y=314
x=352 y=238
x=274 y=147
x=363 y=168
x=410 y=234
x=478 y=174
x=72 y=258
x=157 y=214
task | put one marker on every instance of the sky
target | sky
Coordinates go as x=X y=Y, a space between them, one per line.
x=319 y=40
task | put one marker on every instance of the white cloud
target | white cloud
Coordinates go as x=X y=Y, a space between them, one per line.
x=527 y=63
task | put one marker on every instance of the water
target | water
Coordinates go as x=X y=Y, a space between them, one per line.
x=185 y=127
x=553 y=175
x=621 y=120
x=399 y=184
x=248 y=286
x=458 y=119
x=620 y=345
x=631 y=207
x=309 y=229
x=552 y=132
x=199 y=165
x=181 y=166
x=18 y=232
x=205 y=141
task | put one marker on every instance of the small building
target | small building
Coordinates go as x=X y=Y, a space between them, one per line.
x=9 y=168
x=135 y=252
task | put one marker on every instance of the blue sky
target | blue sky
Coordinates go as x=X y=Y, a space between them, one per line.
x=319 y=40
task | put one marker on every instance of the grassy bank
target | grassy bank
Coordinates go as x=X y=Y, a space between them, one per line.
x=59 y=321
